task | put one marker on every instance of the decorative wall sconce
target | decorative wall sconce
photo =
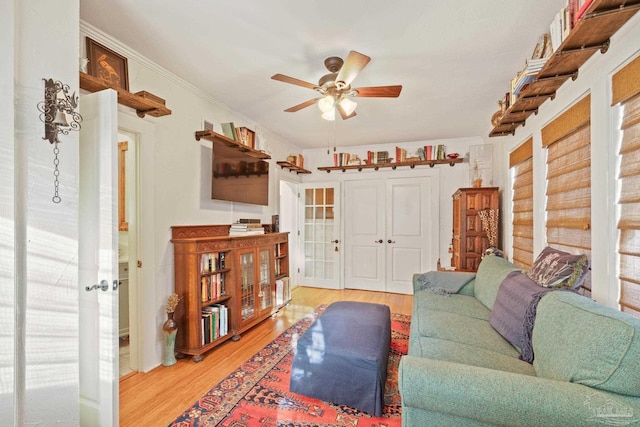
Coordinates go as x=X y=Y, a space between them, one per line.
x=59 y=115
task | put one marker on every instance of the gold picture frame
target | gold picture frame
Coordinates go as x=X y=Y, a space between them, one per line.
x=107 y=65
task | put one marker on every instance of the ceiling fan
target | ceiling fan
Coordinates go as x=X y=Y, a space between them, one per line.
x=335 y=88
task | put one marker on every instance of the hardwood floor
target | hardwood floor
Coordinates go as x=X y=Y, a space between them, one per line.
x=156 y=398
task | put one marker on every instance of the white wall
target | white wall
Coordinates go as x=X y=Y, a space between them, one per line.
x=39 y=365
x=450 y=178
x=594 y=78
x=174 y=170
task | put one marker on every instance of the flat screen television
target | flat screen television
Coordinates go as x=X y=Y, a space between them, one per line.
x=238 y=177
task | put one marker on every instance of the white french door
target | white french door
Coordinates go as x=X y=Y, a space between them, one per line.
x=390 y=232
x=320 y=217
x=98 y=260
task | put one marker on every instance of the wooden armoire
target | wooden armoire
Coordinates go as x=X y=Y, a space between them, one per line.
x=469 y=240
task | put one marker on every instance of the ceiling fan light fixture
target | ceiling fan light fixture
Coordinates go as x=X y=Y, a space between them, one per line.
x=329 y=115
x=326 y=104
x=348 y=106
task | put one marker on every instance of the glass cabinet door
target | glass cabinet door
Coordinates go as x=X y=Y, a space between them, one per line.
x=266 y=289
x=247 y=286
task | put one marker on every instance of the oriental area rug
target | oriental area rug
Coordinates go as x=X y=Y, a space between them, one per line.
x=257 y=393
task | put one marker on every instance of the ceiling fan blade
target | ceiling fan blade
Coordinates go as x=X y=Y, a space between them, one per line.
x=293 y=81
x=302 y=105
x=379 y=91
x=354 y=63
x=343 y=113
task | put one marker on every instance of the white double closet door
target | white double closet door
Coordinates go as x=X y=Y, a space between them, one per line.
x=390 y=232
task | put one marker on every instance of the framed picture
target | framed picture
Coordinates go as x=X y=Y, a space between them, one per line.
x=107 y=65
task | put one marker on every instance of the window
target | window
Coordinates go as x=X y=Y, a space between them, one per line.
x=521 y=165
x=626 y=91
x=568 y=194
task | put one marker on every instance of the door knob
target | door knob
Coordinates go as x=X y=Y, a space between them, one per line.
x=335 y=241
x=391 y=241
x=378 y=241
x=104 y=285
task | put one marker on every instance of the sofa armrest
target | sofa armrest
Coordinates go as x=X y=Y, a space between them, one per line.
x=451 y=281
x=503 y=398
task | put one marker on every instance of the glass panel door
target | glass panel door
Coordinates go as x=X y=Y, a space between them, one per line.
x=266 y=287
x=247 y=286
x=321 y=235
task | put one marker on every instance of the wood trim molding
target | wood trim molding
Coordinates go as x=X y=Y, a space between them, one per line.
x=626 y=82
x=568 y=122
x=522 y=153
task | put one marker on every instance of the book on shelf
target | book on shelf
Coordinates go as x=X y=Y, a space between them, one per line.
x=245 y=136
x=581 y=7
x=212 y=287
x=527 y=74
x=229 y=130
x=212 y=262
x=244 y=229
x=401 y=154
x=214 y=323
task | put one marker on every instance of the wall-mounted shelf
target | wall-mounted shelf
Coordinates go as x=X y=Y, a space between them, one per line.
x=143 y=102
x=590 y=34
x=216 y=137
x=238 y=174
x=292 y=167
x=431 y=163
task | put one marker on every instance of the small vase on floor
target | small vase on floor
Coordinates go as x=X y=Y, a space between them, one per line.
x=169 y=330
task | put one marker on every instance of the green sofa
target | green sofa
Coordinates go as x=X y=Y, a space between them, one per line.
x=460 y=371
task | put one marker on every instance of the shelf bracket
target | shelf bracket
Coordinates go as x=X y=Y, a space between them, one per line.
x=621 y=8
x=544 y=95
x=603 y=47
x=573 y=75
x=533 y=110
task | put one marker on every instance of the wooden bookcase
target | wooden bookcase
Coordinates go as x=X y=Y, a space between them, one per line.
x=469 y=240
x=591 y=33
x=247 y=281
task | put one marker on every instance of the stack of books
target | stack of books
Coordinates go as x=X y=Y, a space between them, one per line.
x=526 y=76
x=214 y=323
x=246 y=227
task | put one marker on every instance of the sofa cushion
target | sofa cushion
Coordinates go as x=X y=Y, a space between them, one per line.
x=461 y=304
x=462 y=329
x=578 y=340
x=491 y=273
x=434 y=348
x=555 y=268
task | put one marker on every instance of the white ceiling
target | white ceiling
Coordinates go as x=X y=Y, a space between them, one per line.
x=454 y=58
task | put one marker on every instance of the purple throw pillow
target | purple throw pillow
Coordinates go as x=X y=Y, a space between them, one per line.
x=554 y=268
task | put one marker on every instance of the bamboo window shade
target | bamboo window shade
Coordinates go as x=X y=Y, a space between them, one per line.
x=568 y=194
x=628 y=89
x=521 y=164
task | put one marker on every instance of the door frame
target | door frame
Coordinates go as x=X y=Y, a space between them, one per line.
x=144 y=355
x=433 y=174
x=339 y=230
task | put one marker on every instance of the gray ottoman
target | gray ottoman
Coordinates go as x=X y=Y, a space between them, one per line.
x=343 y=357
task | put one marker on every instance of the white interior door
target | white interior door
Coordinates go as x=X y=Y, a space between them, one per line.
x=98 y=260
x=320 y=217
x=409 y=240
x=365 y=234
x=390 y=232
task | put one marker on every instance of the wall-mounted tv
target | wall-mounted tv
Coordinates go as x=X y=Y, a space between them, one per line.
x=238 y=177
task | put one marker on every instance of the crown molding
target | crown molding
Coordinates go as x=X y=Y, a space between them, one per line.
x=104 y=38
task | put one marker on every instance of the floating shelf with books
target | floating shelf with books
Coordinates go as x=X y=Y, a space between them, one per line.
x=592 y=32
x=143 y=102
x=216 y=137
x=292 y=167
x=431 y=163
